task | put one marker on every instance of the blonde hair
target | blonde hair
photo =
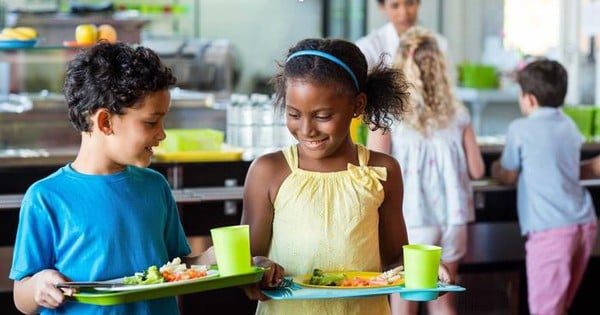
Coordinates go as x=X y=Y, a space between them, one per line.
x=432 y=103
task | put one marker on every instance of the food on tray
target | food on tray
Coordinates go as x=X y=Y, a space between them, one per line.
x=340 y=279
x=319 y=277
x=389 y=277
x=174 y=270
x=148 y=276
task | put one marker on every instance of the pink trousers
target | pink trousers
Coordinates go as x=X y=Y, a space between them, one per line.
x=556 y=260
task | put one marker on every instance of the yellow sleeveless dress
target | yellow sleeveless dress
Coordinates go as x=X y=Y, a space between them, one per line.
x=328 y=221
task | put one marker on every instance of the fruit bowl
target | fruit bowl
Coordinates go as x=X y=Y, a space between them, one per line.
x=14 y=44
x=74 y=44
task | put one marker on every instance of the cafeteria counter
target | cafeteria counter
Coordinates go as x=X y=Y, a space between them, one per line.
x=493 y=267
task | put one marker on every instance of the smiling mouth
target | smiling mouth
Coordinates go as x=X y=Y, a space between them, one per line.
x=314 y=143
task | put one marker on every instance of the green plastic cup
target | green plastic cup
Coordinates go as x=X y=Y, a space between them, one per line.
x=232 y=249
x=421 y=264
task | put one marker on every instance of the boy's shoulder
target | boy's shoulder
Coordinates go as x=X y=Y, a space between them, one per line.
x=53 y=181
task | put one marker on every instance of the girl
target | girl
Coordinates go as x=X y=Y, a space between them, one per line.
x=326 y=202
x=437 y=150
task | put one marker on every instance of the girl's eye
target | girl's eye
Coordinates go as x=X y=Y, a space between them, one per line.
x=152 y=123
x=323 y=117
x=293 y=115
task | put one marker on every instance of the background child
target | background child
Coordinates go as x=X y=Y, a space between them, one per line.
x=105 y=215
x=438 y=153
x=326 y=202
x=556 y=214
x=383 y=42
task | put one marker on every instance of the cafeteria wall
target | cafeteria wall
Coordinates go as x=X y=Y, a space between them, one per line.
x=261 y=30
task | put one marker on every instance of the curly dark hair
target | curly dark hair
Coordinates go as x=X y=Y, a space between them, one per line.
x=385 y=87
x=112 y=76
x=546 y=79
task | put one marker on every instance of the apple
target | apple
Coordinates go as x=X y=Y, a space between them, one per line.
x=86 y=34
x=107 y=32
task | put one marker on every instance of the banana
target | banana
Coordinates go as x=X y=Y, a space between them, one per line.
x=30 y=32
x=18 y=33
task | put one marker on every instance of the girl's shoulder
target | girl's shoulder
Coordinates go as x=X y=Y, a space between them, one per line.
x=269 y=164
x=381 y=159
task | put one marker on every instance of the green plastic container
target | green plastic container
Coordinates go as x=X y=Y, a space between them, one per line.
x=584 y=117
x=596 y=124
x=179 y=140
x=478 y=76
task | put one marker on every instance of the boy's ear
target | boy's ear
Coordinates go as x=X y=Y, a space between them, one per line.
x=531 y=99
x=103 y=121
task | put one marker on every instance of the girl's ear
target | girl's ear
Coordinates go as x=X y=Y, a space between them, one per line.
x=360 y=102
x=102 y=120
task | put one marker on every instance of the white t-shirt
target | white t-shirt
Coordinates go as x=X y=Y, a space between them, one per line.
x=385 y=40
x=437 y=187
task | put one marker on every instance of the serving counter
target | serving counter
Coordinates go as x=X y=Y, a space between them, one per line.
x=209 y=194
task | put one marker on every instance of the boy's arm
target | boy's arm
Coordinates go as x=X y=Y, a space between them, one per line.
x=504 y=176
x=590 y=168
x=32 y=293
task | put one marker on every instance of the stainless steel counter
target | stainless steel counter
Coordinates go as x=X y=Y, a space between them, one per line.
x=182 y=196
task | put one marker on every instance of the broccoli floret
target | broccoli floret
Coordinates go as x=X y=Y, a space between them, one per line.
x=152 y=275
x=326 y=279
x=149 y=276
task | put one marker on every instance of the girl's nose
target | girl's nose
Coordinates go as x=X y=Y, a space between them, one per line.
x=307 y=127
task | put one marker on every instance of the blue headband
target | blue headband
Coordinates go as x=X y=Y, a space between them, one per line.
x=312 y=52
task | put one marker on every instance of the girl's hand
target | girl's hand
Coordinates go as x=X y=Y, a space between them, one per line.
x=45 y=293
x=271 y=278
x=444 y=275
x=273 y=275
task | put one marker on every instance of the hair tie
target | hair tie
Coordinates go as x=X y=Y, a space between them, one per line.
x=312 y=52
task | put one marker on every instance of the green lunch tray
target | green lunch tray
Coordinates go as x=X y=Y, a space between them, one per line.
x=184 y=287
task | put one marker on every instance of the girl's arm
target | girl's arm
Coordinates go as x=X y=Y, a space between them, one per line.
x=262 y=182
x=475 y=164
x=379 y=141
x=257 y=206
x=392 y=228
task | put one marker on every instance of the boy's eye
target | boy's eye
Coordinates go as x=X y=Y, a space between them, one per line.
x=152 y=123
x=293 y=115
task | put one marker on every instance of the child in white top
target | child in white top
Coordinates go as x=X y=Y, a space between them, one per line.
x=439 y=156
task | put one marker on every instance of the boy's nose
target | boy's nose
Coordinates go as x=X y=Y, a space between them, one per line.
x=162 y=135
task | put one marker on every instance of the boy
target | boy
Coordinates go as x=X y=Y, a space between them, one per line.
x=556 y=214
x=105 y=215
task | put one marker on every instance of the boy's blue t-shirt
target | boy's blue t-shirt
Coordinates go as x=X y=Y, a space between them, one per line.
x=545 y=148
x=99 y=227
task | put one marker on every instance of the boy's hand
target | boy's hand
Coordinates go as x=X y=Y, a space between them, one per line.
x=45 y=293
x=495 y=169
x=271 y=278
